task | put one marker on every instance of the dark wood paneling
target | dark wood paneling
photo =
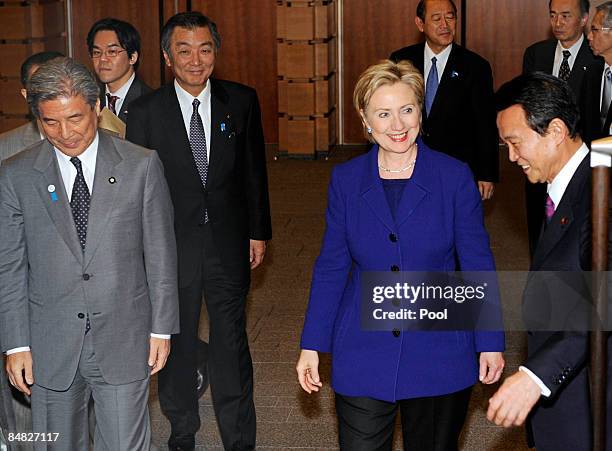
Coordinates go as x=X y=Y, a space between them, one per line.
x=372 y=30
x=248 y=50
x=143 y=14
x=501 y=30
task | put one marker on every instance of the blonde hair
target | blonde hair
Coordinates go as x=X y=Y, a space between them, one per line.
x=384 y=73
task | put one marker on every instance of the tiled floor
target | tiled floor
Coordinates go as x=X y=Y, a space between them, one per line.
x=287 y=418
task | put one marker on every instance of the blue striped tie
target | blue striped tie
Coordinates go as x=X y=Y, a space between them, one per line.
x=432 y=85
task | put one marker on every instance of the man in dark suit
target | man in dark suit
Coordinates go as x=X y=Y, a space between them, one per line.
x=459 y=113
x=114 y=47
x=567 y=57
x=209 y=136
x=89 y=295
x=538 y=120
x=597 y=86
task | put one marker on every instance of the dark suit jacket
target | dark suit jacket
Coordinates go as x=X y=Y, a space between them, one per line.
x=556 y=296
x=137 y=89
x=590 y=99
x=540 y=57
x=236 y=194
x=461 y=122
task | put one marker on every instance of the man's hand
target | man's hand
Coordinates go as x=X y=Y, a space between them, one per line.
x=511 y=404
x=257 y=252
x=308 y=371
x=158 y=353
x=486 y=189
x=19 y=365
x=491 y=367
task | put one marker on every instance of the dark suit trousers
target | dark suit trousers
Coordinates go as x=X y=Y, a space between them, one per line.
x=428 y=424
x=230 y=368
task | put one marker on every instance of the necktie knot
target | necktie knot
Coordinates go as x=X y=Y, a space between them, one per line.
x=196 y=104
x=77 y=163
x=111 y=101
x=566 y=55
x=434 y=60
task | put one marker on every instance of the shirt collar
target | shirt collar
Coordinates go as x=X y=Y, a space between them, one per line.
x=186 y=99
x=557 y=188
x=88 y=157
x=122 y=91
x=573 y=49
x=442 y=56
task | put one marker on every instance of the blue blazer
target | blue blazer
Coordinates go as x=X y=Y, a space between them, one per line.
x=439 y=222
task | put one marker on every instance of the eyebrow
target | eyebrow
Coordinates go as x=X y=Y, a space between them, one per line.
x=197 y=45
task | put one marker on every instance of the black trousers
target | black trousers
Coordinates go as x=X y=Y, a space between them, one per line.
x=428 y=424
x=230 y=368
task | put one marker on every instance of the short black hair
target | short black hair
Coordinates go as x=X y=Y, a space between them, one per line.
x=128 y=36
x=189 y=20
x=585 y=6
x=543 y=98
x=420 y=9
x=36 y=60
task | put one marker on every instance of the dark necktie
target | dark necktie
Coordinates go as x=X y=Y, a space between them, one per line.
x=549 y=209
x=564 y=70
x=79 y=202
x=432 y=85
x=111 y=101
x=606 y=96
x=197 y=141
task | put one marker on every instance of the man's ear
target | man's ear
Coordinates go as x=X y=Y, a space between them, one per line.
x=558 y=130
x=167 y=59
x=420 y=24
x=24 y=93
x=133 y=58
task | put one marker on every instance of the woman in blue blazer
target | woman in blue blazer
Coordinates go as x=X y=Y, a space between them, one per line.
x=400 y=207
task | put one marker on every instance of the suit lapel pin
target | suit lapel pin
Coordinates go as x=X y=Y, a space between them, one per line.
x=112 y=180
x=454 y=74
x=222 y=126
x=52 y=193
x=564 y=221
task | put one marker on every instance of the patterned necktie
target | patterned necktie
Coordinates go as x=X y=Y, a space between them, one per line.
x=111 y=102
x=564 y=70
x=432 y=85
x=197 y=141
x=606 y=96
x=79 y=202
x=549 y=209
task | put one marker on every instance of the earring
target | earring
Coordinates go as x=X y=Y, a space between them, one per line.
x=369 y=131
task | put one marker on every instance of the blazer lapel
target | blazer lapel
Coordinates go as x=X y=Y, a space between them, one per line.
x=132 y=94
x=221 y=130
x=104 y=193
x=31 y=135
x=418 y=187
x=59 y=210
x=373 y=192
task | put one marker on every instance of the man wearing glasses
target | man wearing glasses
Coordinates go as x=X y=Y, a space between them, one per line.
x=114 y=47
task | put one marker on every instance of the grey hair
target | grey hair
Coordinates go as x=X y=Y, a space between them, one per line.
x=61 y=78
x=607 y=9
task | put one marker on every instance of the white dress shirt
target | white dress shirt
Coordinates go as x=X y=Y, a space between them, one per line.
x=68 y=172
x=574 y=49
x=186 y=103
x=556 y=189
x=120 y=93
x=441 y=60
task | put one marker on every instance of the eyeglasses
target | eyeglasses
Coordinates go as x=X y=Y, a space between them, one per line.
x=109 y=53
x=597 y=30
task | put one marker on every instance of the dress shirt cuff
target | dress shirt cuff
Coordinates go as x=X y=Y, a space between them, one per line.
x=16 y=350
x=164 y=336
x=543 y=388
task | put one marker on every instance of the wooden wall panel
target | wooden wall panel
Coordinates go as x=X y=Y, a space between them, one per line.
x=248 y=50
x=143 y=14
x=501 y=30
x=372 y=30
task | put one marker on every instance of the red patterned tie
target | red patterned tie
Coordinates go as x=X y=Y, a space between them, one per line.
x=111 y=101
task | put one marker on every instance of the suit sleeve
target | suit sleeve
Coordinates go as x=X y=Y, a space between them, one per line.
x=474 y=254
x=260 y=224
x=14 y=311
x=160 y=250
x=330 y=275
x=486 y=154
